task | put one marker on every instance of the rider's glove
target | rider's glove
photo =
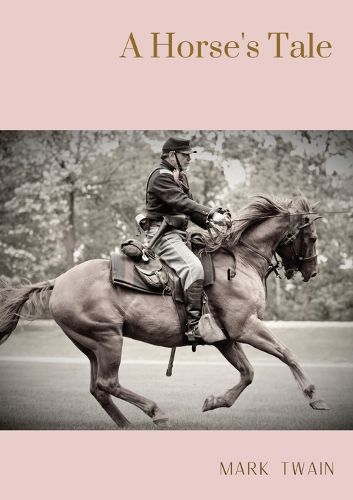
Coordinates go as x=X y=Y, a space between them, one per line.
x=222 y=219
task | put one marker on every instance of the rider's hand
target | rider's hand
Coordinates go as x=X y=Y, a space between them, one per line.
x=221 y=219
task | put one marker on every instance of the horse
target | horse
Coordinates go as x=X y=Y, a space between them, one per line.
x=96 y=316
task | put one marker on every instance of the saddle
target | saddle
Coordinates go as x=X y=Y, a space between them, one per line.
x=140 y=268
x=143 y=271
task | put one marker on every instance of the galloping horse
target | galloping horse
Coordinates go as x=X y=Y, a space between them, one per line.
x=96 y=316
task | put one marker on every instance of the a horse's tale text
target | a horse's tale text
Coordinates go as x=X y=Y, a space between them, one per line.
x=276 y=44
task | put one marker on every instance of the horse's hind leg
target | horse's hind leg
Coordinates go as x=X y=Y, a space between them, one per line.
x=234 y=353
x=108 y=355
x=103 y=398
x=260 y=337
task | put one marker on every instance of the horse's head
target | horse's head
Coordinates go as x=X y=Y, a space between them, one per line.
x=298 y=247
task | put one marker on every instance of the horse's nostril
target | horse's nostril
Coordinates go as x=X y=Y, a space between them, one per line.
x=313 y=275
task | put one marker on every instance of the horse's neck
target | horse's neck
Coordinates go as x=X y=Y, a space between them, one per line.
x=264 y=238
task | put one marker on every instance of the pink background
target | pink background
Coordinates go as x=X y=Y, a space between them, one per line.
x=60 y=70
x=60 y=66
x=168 y=465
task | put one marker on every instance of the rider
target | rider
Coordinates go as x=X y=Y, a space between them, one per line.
x=168 y=194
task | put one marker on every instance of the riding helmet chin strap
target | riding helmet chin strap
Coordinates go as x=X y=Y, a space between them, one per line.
x=177 y=160
x=177 y=171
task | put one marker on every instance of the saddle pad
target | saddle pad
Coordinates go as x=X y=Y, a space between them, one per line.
x=125 y=274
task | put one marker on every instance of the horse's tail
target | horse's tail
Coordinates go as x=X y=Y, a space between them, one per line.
x=12 y=299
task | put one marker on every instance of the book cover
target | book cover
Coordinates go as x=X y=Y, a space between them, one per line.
x=263 y=91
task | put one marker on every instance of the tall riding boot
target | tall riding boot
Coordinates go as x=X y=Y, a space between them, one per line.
x=193 y=296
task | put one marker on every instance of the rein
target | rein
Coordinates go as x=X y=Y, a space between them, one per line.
x=271 y=266
x=295 y=214
x=288 y=240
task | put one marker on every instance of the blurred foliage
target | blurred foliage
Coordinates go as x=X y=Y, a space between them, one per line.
x=66 y=197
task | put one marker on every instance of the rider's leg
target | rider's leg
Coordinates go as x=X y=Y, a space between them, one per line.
x=193 y=296
x=173 y=250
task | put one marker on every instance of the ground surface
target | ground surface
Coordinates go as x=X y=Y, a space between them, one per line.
x=44 y=382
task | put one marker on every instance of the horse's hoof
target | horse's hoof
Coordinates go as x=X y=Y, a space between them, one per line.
x=161 y=423
x=309 y=391
x=209 y=403
x=319 y=405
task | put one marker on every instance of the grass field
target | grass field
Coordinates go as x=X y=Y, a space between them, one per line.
x=44 y=382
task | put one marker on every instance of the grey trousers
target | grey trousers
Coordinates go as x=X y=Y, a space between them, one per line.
x=173 y=250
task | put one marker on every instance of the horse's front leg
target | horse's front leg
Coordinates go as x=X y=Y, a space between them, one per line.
x=259 y=336
x=233 y=352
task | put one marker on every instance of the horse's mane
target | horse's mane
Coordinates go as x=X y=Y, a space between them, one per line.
x=259 y=208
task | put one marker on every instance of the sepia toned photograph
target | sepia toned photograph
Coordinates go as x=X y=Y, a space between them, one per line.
x=180 y=280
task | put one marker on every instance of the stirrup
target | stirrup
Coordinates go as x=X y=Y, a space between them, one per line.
x=194 y=335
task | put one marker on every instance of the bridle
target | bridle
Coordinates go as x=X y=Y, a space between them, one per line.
x=295 y=261
x=297 y=258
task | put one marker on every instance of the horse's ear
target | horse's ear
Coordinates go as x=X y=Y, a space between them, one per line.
x=314 y=205
x=290 y=204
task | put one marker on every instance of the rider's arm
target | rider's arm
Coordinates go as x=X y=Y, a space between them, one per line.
x=169 y=192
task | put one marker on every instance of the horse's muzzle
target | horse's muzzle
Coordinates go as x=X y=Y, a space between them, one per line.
x=309 y=276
